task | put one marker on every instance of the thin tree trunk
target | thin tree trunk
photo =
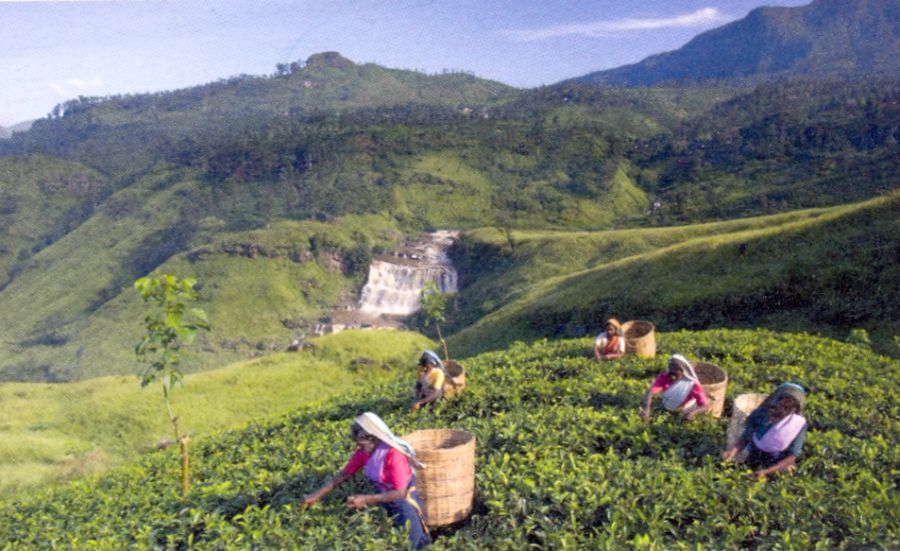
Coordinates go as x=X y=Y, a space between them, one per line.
x=443 y=342
x=183 y=442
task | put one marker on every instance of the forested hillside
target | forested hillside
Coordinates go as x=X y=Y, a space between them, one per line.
x=779 y=147
x=278 y=189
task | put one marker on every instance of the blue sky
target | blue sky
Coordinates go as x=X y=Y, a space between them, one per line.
x=54 y=51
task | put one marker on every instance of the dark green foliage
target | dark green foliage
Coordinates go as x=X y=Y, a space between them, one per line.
x=563 y=459
x=781 y=146
x=357 y=260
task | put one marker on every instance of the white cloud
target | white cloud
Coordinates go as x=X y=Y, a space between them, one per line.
x=76 y=86
x=701 y=18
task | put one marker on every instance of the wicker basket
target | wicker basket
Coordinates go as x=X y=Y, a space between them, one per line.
x=744 y=404
x=713 y=379
x=640 y=338
x=456 y=378
x=447 y=483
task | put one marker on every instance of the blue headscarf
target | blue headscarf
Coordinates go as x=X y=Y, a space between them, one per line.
x=430 y=357
x=793 y=390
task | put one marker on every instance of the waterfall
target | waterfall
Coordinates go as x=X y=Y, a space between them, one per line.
x=394 y=289
x=395 y=283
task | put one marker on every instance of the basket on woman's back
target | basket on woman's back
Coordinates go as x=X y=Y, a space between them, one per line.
x=447 y=483
x=455 y=379
x=714 y=380
x=640 y=338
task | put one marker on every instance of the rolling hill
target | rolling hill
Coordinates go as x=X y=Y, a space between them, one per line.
x=826 y=271
x=741 y=216
x=325 y=161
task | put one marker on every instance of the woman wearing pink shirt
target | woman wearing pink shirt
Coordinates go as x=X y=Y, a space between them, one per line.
x=385 y=460
x=680 y=388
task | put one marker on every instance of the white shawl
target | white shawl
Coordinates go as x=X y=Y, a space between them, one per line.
x=373 y=425
x=678 y=392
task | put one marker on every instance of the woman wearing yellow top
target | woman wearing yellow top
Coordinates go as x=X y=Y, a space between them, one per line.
x=430 y=384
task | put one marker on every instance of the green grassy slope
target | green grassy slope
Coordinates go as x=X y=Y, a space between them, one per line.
x=71 y=313
x=557 y=157
x=63 y=284
x=56 y=432
x=494 y=272
x=827 y=270
x=41 y=199
x=563 y=461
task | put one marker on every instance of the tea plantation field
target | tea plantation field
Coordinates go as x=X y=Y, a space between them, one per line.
x=563 y=461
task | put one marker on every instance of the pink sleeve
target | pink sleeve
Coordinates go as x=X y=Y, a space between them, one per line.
x=357 y=461
x=662 y=382
x=698 y=394
x=396 y=473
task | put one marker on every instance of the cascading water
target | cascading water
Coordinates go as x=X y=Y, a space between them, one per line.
x=394 y=289
x=395 y=283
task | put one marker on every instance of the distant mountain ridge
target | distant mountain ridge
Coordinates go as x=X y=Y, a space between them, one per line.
x=824 y=39
x=7 y=132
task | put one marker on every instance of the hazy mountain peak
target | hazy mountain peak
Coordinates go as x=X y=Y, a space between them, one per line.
x=329 y=60
x=824 y=39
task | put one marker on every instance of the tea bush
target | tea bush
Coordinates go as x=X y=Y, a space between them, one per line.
x=563 y=461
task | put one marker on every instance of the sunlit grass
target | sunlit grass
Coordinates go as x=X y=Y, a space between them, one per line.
x=830 y=262
x=55 y=432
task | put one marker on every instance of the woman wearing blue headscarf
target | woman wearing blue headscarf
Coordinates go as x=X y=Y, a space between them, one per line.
x=430 y=381
x=774 y=432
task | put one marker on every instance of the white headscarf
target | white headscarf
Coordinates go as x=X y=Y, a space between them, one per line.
x=686 y=366
x=678 y=392
x=373 y=425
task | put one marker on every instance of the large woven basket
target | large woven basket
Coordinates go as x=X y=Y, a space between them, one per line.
x=713 y=379
x=446 y=485
x=456 y=377
x=640 y=338
x=744 y=404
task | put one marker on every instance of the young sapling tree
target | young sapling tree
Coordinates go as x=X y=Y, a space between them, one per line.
x=168 y=326
x=434 y=306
